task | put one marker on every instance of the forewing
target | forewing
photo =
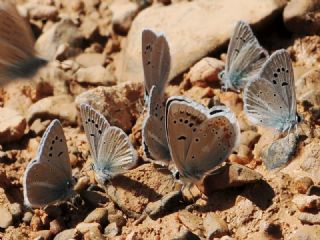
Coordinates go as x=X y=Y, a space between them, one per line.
x=116 y=154
x=48 y=178
x=94 y=124
x=242 y=34
x=278 y=71
x=183 y=118
x=264 y=105
x=14 y=29
x=155 y=59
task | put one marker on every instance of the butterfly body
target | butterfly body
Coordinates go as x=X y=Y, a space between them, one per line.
x=48 y=177
x=244 y=58
x=199 y=138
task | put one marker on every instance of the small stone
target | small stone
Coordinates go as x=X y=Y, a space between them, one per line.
x=214 y=226
x=185 y=233
x=65 y=32
x=16 y=210
x=66 y=234
x=119 y=104
x=6 y=218
x=12 y=125
x=55 y=227
x=36 y=223
x=98 y=215
x=112 y=230
x=90 y=59
x=27 y=217
x=123 y=12
x=166 y=204
x=89 y=26
x=302 y=184
x=280 y=152
x=232 y=101
x=117 y=218
x=191 y=221
x=82 y=184
x=42 y=234
x=230 y=175
x=61 y=107
x=310 y=218
x=304 y=202
x=90 y=231
x=41 y=12
x=95 y=75
x=272 y=230
x=205 y=71
x=306 y=232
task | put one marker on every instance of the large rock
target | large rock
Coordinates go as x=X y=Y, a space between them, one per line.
x=61 y=107
x=302 y=16
x=12 y=125
x=200 y=27
x=120 y=103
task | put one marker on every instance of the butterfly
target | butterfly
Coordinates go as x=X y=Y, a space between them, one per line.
x=17 y=54
x=199 y=139
x=270 y=98
x=110 y=147
x=156 y=64
x=156 y=61
x=245 y=57
x=48 y=178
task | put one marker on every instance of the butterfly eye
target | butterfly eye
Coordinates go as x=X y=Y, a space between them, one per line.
x=221 y=74
x=176 y=175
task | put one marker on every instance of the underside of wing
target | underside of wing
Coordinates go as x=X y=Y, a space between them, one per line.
x=116 y=154
x=156 y=60
x=94 y=124
x=264 y=105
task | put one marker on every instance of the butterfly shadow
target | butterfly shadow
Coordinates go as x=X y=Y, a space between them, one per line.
x=259 y=193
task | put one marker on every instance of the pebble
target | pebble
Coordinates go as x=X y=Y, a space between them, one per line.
x=27 y=217
x=214 y=226
x=192 y=222
x=119 y=104
x=90 y=231
x=16 y=210
x=12 y=125
x=66 y=234
x=61 y=107
x=302 y=184
x=96 y=75
x=304 y=202
x=112 y=230
x=205 y=71
x=55 y=226
x=306 y=232
x=117 y=218
x=98 y=215
x=42 y=234
x=310 y=218
x=280 y=152
x=38 y=126
x=310 y=159
x=6 y=218
x=40 y=12
x=230 y=175
x=123 y=12
x=90 y=59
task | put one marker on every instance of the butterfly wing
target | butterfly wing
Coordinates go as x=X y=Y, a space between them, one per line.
x=278 y=70
x=94 y=124
x=17 y=55
x=211 y=144
x=270 y=99
x=153 y=130
x=156 y=60
x=245 y=57
x=183 y=119
x=116 y=154
x=48 y=177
